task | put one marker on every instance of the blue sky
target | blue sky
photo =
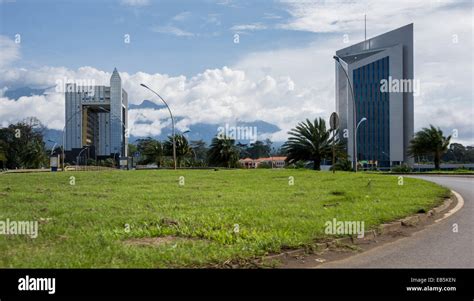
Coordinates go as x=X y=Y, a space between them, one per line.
x=281 y=71
x=77 y=33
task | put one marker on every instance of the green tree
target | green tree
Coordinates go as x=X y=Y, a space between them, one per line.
x=309 y=141
x=199 y=151
x=242 y=148
x=259 y=149
x=430 y=141
x=132 y=148
x=223 y=152
x=23 y=144
x=183 y=150
x=151 y=151
x=456 y=153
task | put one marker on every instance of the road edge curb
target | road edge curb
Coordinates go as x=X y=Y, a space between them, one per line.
x=382 y=229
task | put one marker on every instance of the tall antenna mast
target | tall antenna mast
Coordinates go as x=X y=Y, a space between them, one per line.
x=365 y=33
x=365 y=27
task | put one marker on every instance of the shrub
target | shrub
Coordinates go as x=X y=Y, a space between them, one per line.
x=109 y=162
x=344 y=165
x=401 y=168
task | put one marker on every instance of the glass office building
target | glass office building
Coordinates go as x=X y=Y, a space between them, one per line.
x=383 y=139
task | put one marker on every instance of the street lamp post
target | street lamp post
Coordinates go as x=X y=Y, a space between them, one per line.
x=172 y=122
x=355 y=141
x=194 y=152
x=54 y=146
x=354 y=159
x=79 y=156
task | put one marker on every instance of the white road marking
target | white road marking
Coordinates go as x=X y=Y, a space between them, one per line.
x=399 y=241
x=455 y=209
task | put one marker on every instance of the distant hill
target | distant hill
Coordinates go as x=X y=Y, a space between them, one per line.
x=201 y=131
x=207 y=131
x=147 y=104
x=198 y=131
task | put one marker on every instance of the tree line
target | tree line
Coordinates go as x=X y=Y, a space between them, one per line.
x=22 y=146
x=222 y=152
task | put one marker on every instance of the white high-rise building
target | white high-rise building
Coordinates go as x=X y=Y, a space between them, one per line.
x=96 y=119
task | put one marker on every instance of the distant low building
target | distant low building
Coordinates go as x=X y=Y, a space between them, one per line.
x=274 y=162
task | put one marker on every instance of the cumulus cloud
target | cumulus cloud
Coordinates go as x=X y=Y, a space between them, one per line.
x=48 y=108
x=285 y=86
x=215 y=96
x=443 y=54
x=9 y=51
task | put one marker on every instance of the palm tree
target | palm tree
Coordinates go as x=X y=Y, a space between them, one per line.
x=199 y=151
x=223 y=152
x=183 y=149
x=151 y=149
x=308 y=141
x=33 y=154
x=429 y=141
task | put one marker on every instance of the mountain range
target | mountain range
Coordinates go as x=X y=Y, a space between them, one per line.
x=198 y=131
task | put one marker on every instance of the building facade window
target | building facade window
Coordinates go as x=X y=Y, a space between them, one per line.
x=374 y=135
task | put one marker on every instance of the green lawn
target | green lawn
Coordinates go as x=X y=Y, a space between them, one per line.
x=87 y=226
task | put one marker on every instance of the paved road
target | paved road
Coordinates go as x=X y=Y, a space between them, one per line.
x=434 y=247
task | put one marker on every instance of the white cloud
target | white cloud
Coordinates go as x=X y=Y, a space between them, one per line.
x=215 y=96
x=248 y=27
x=172 y=30
x=48 y=108
x=285 y=86
x=135 y=2
x=348 y=16
x=444 y=67
x=9 y=51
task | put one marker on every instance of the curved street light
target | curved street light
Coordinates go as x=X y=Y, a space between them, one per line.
x=354 y=159
x=172 y=122
x=357 y=127
x=54 y=146
x=195 y=156
x=79 y=157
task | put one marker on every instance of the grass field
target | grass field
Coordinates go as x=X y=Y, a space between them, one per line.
x=107 y=219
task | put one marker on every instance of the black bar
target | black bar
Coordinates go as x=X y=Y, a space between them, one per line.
x=260 y=282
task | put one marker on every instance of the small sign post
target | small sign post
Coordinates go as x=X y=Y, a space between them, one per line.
x=334 y=123
x=54 y=162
